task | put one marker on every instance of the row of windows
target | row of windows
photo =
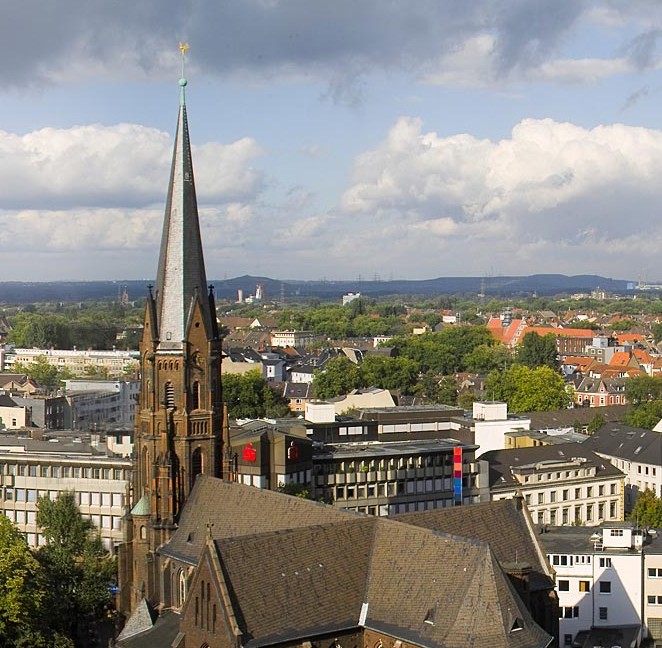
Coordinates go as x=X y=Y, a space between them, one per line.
x=390 y=489
x=567 y=494
x=565 y=561
x=394 y=463
x=107 y=522
x=63 y=472
x=567 y=474
x=83 y=498
x=564 y=585
x=573 y=612
x=571 y=514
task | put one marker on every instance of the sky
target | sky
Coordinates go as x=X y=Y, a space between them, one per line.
x=334 y=139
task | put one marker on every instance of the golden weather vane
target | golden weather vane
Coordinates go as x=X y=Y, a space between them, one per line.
x=183 y=48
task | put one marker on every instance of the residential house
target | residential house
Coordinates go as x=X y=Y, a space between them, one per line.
x=12 y=415
x=600 y=392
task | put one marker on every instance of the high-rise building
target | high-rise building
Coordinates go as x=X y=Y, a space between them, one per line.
x=179 y=422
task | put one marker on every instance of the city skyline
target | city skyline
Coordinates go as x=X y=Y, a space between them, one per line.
x=336 y=140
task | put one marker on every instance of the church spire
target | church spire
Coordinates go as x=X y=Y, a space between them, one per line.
x=181 y=279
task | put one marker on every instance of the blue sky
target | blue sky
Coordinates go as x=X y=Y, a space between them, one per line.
x=335 y=139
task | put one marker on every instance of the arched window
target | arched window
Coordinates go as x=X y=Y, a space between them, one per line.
x=144 y=468
x=195 y=395
x=196 y=464
x=169 y=395
x=143 y=532
x=181 y=595
x=207 y=608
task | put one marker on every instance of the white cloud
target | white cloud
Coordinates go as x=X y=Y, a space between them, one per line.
x=115 y=166
x=549 y=193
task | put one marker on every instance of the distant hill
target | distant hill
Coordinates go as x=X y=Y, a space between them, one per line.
x=16 y=292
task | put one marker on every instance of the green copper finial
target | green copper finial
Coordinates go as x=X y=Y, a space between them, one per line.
x=183 y=48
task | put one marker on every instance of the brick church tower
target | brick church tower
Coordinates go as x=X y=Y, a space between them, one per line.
x=178 y=432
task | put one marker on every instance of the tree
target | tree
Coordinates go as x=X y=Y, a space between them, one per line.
x=340 y=376
x=656 y=330
x=390 y=373
x=487 y=357
x=645 y=415
x=21 y=589
x=595 y=424
x=77 y=568
x=647 y=511
x=528 y=390
x=444 y=352
x=249 y=396
x=43 y=373
x=537 y=350
x=642 y=389
x=644 y=394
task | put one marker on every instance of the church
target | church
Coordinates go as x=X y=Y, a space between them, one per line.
x=210 y=563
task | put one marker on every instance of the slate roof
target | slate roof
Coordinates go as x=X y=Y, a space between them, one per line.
x=629 y=443
x=238 y=510
x=295 y=568
x=181 y=279
x=503 y=524
x=7 y=401
x=298 y=390
x=501 y=462
x=351 y=573
x=567 y=417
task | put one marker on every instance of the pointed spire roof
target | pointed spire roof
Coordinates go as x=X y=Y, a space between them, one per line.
x=181 y=278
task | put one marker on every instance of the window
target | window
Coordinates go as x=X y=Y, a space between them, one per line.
x=605 y=587
x=565 y=494
x=654 y=600
x=616 y=533
x=567 y=613
x=552 y=496
x=605 y=562
x=603 y=614
x=564 y=586
x=541 y=498
x=567 y=639
x=654 y=572
x=584 y=586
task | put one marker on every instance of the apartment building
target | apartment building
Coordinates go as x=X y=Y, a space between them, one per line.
x=563 y=484
x=114 y=363
x=634 y=451
x=600 y=582
x=33 y=468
